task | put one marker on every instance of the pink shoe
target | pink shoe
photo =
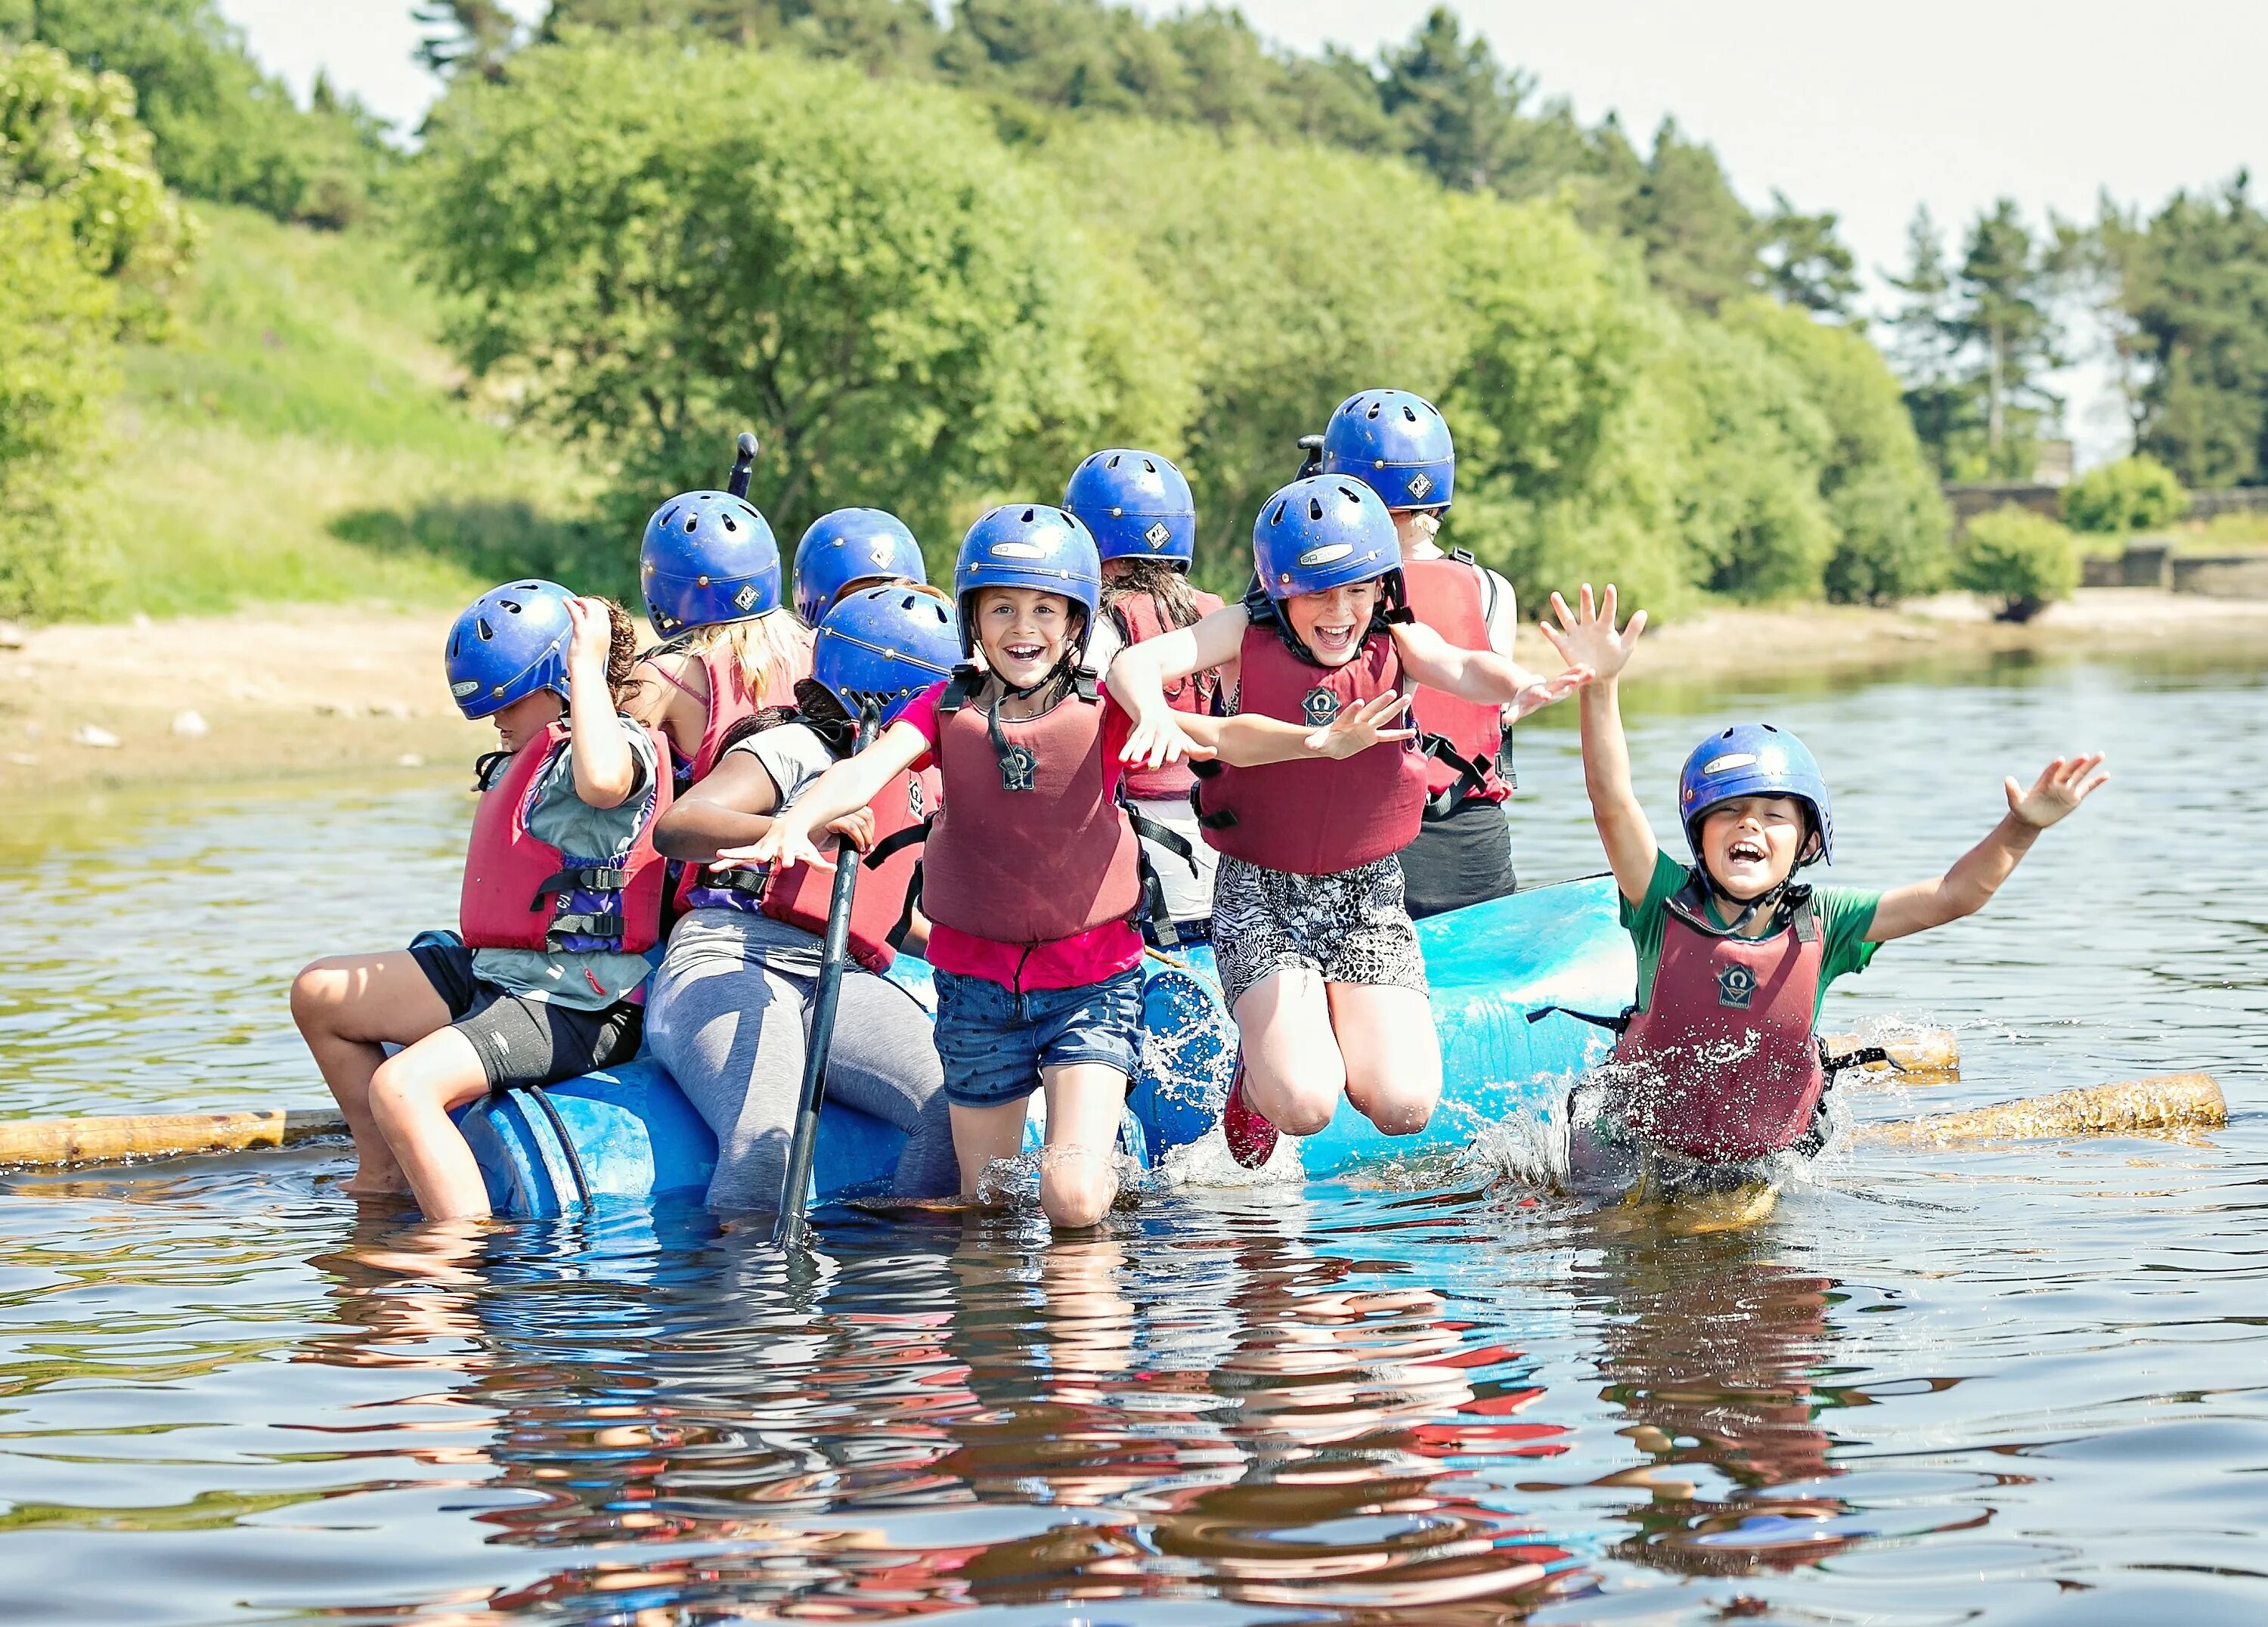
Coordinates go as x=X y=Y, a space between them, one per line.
x=1251 y=1138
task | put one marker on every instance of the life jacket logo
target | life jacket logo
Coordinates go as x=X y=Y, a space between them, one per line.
x=917 y=803
x=1319 y=707
x=747 y=597
x=1420 y=483
x=1736 y=986
x=1018 y=767
x=1158 y=535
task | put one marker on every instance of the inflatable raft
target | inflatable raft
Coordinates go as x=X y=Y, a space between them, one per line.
x=628 y=1134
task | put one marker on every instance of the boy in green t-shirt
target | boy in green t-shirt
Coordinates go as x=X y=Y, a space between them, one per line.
x=1718 y=1063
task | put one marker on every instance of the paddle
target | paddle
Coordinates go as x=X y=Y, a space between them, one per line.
x=743 y=464
x=792 y=1230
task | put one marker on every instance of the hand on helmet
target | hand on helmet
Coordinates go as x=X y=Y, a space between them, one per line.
x=1589 y=638
x=1359 y=728
x=592 y=641
x=2062 y=786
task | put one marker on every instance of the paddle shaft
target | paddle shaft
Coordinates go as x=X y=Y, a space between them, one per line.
x=791 y=1231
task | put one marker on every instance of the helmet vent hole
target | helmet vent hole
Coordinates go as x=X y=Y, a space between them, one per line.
x=1277 y=519
x=1411 y=413
x=730 y=524
x=1149 y=467
x=1113 y=462
x=1314 y=509
x=482 y=628
x=1375 y=406
x=508 y=604
x=692 y=524
x=1028 y=513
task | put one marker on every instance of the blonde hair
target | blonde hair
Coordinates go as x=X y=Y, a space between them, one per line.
x=768 y=651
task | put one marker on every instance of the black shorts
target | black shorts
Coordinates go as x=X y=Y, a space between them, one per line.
x=1465 y=858
x=521 y=1041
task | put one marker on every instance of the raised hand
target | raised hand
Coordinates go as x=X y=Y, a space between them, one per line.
x=1588 y=638
x=1359 y=728
x=2062 y=786
x=591 y=637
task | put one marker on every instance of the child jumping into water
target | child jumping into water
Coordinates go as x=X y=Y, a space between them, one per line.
x=1317 y=955
x=562 y=897
x=1031 y=874
x=1719 y=1062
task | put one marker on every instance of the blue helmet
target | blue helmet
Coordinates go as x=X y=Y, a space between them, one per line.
x=1753 y=760
x=708 y=557
x=1028 y=545
x=884 y=645
x=852 y=545
x=509 y=643
x=1137 y=505
x=1322 y=533
x=1396 y=443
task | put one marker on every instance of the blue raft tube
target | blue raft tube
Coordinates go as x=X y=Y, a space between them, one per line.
x=628 y=1135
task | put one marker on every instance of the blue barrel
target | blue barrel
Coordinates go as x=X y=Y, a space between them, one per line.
x=629 y=1134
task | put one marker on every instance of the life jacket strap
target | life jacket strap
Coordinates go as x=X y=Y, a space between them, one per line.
x=1612 y=1024
x=1471 y=781
x=584 y=878
x=889 y=847
x=1153 y=891
x=966 y=680
x=487 y=766
x=896 y=936
x=587 y=923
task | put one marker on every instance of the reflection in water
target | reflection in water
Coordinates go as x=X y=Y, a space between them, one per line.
x=1956 y=1383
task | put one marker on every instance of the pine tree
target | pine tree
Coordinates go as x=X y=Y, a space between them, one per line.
x=469 y=35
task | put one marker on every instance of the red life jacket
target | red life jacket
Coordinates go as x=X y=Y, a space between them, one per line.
x=1049 y=859
x=1446 y=594
x=1315 y=816
x=801 y=896
x=1725 y=1062
x=729 y=700
x=1139 y=618
x=522 y=892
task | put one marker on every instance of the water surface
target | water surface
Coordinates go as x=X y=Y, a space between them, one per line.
x=2021 y=1384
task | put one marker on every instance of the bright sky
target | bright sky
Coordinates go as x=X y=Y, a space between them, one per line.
x=1864 y=110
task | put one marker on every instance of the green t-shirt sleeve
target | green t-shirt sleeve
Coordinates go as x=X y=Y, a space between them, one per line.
x=1846 y=914
x=1643 y=920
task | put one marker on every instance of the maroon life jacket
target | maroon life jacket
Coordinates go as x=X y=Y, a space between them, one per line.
x=729 y=702
x=1315 y=816
x=522 y=892
x=1726 y=1063
x=1051 y=857
x=802 y=896
x=1138 y=618
x=1462 y=737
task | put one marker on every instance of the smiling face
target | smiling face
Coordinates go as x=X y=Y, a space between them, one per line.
x=1333 y=625
x=526 y=718
x=1750 y=845
x=1024 y=632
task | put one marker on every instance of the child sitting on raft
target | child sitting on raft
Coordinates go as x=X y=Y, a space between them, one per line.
x=732 y=1000
x=1719 y=1064
x=1318 y=958
x=1031 y=874
x=562 y=897
x=1145 y=522
x=710 y=570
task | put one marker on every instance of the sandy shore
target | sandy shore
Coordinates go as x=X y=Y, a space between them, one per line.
x=306 y=691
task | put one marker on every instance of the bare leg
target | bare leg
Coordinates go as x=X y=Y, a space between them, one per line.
x=1392 y=1057
x=982 y=1136
x=1079 y=1174
x=1293 y=1073
x=410 y=1096
x=347 y=1008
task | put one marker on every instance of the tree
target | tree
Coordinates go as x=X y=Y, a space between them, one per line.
x=2133 y=494
x=2194 y=282
x=1805 y=263
x=858 y=270
x=1701 y=243
x=2022 y=559
x=2001 y=317
x=1925 y=344
x=1454 y=104
x=468 y=36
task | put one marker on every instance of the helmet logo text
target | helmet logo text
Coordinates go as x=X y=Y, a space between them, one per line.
x=1327 y=554
x=1159 y=535
x=1730 y=760
x=1420 y=483
x=1017 y=550
x=746 y=597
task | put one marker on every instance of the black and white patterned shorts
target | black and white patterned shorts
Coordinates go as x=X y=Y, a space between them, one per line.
x=1350 y=926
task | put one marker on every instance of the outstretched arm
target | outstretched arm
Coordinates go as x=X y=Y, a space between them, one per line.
x=731 y=807
x=1977 y=875
x=1139 y=676
x=1589 y=639
x=847 y=787
x=1481 y=674
x=1248 y=741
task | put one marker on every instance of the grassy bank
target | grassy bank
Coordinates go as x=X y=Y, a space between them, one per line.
x=302 y=438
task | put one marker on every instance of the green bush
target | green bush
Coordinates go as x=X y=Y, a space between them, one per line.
x=2022 y=559
x=2133 y=494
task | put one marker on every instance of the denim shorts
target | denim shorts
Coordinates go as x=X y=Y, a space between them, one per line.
x=993 y=1041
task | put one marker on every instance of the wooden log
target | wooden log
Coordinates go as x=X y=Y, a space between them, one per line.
x=65 y=1142
x=2160 y=1102
x=1932 y=1051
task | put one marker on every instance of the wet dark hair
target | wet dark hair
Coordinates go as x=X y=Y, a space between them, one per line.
x=622 y=653
x=1165 y=582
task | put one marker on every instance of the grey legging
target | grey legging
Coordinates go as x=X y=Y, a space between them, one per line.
x=727 y=1016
